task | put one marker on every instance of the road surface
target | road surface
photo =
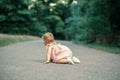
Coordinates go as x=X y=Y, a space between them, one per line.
x=24 y=61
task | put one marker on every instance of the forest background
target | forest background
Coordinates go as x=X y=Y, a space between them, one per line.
x=91 y=21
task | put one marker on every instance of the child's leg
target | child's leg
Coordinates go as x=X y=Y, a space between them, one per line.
x=65 y=61
x=61 y=61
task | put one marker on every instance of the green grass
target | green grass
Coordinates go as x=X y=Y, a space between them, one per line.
x=103 y=47
x=6 y=39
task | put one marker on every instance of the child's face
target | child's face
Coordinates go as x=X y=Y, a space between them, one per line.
x=44 y=42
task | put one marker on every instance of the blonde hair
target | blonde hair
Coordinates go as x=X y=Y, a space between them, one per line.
x=48 y=38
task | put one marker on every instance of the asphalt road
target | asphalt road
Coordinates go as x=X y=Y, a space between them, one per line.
x=24 y=61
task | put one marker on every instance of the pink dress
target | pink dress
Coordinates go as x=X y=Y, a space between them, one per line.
x=59 y=52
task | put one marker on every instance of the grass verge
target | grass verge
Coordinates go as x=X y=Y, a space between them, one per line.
x=103 y=47
x=6 y=39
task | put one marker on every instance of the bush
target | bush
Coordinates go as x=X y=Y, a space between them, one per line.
x=38 y=29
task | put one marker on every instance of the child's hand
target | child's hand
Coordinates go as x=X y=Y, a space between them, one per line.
x=46 y=62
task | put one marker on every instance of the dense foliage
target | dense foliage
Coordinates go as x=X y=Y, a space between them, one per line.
x=82 y=20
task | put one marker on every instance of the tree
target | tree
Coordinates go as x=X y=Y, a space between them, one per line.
x=94 y=21
x=17 y=18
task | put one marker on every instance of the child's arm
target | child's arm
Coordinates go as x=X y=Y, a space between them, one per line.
x=48 y=56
